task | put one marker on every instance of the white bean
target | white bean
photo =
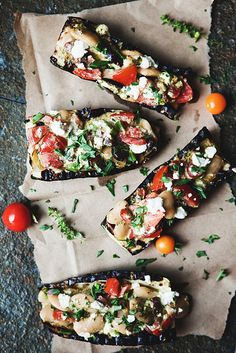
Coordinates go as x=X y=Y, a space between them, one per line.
x=43 y=298
x=46 y=313
x=53 y=299
x=121 y=231
x=81 y=300
x=113 y=216
x=90 y=325
x=144 y=292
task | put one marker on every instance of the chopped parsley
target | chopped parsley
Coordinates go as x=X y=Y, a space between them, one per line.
x=109 y=317
x=231 y=200
x=205 y=275
x=144 y=171
x=100 y=252
x=222 y=274
x=33 y=190
x=108 y=168
x=126 y=188
x=99 y=64
x=79 y=314
x=211 y=239
x=111 y=186
x=201 y=253
x=72 y=102
x=201 y=191
x=36 y=118
x=130 y=243
x=115 y=256
x=144 y=262
x=74 y=205
x=92 y=187
x=182 y=27
x=54 y=291
x=193 y=48
x=46 y=227
x=182 y=181
x=178 y=248
x=181 y=268
x=96 y=290
x=61 y=222
x=177 y=128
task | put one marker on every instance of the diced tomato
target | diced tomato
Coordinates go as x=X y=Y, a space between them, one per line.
x=157 y=182
x=50 y=142
x=124 y=289
x=57 y=315
x=151 y=220
x=154 y=235
x=133 y=136
x=126 y=215
x=35 y=134
x=92 y=75
x=186 y=93
x=127 y=117
x=50 y=160
x=190 y=196
x=154 y=331
x=126 y=76
x=112 y=287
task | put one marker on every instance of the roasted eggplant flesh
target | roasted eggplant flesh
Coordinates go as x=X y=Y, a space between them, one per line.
x=115 y=307
x=89 y=51
x=68 y=144
x=168 y=193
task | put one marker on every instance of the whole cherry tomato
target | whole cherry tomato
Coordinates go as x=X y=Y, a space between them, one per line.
x=17 y=217
x=165 y=244
x=112 y=287
x=215 y=103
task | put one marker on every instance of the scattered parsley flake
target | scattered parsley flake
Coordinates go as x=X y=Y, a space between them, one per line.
x=205 y=275
x=133 y=29
x=222 y=274
x=201 y=191
x=201 y=253
x=144 y=262
x=115 y=256
x=231 y=200
x=193 y=48
x=144 y=171
x=220 y=208
x=72 y=102
x=211 y=238
x=33 y=190
x=126 y=188
x=47 y=201
x=100 y=252
x=184 y=258
x=111 y=186
x=178 y=248
x=181 y=268
x=74 y=205
x=92 y=187
x=65 y=229
x=177 y=129
x=33 y=72
x=182 y=27
x=46 y=227
x=36 y=118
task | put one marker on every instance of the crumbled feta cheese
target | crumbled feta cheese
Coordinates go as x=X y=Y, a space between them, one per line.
x=98 y=142
x=134 y=91
x=137 y=149
x=79 y=49
x=57 y=128
x=147 y=279
x=139 y=231
x=80 y=66
x=199 y=161
x=64 y=300
x=85 y=335
x=135 y=285
x=142 y=82
x=155 y=204
x=167 y=297
x=130 y=318
x=168 y=185
x=151 y=230
x=180 y=213
x=96 y=305
x=210 y=151
x=146 y=62
x=227 y=166
x=102 y=29
x=175 y=174
x=190 y=194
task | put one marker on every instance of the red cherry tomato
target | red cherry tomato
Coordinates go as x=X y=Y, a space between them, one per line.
x=16 y=217
x=126 y=76
x=112 y=287
x=165 y=244
x=190 y=196
x=50 y=142
x=215 y=103
x=91 y=75
x=157 y=183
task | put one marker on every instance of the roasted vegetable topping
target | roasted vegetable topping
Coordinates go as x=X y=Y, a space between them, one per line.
x=168 y=193
x=113 y=307
x=71 y=141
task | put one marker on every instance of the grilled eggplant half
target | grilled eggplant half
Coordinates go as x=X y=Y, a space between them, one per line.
x=84 y=143
x=89 y=51
x=168 y=193
x=113 y=308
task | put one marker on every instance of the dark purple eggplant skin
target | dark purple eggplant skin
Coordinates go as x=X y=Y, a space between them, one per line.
x=168 y=110
x=86 y=114
x=195 y=142
x=142 y=338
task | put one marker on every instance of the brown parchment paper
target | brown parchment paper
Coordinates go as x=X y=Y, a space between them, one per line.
x=50 y=89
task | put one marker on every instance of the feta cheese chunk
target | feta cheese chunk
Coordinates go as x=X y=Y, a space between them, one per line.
x=58 y=128
x=199 y=161
x=79 y=49
x=168 y=297
x=155 y=204
x=143 y=82
x=137 y=149
x=180 y=213
x=133 y=92
x=64 y=300
x=130 y=318
x=210 y=151
x=146 y=62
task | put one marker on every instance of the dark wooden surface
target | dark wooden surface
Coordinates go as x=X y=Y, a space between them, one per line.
x=20 y=327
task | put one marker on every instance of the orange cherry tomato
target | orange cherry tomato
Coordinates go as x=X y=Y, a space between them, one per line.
x=157 y=183
x=215 y=103
x=165 y=244
x=126 y=76
x=112 y=287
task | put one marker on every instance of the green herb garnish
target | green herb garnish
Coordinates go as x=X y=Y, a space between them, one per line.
x=182 y=27
x=182 y=181
x=144 y=171
x=205 y=274
x=177 y=128
x=108 y=168
x=109 y=317
x=65 y=229
x=79 y=314
x=201 y=253
x=111 y=186
x=222 y=274
x=130 y=243
x=72 y=102
x=181 y=268
x=92 y=187
x=74 y=205
x=36 y=118
x=178 y=248
x=231 y=200
x=201 y=191
x=99 y=64
x=193 y=48
x=144 y=262
x=115 y=256
x=100 y=252
x=54 y=291
x=46 y=227
x=96 y=290
x=211 y=238
x=33 y=190
x=126 y=188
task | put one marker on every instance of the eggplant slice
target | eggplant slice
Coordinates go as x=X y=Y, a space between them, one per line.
x=69 y=144
x=168 y=193
x=113 y=308
x=89 y=51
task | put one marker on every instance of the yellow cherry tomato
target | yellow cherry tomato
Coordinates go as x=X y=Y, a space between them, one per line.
x=165 y=244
